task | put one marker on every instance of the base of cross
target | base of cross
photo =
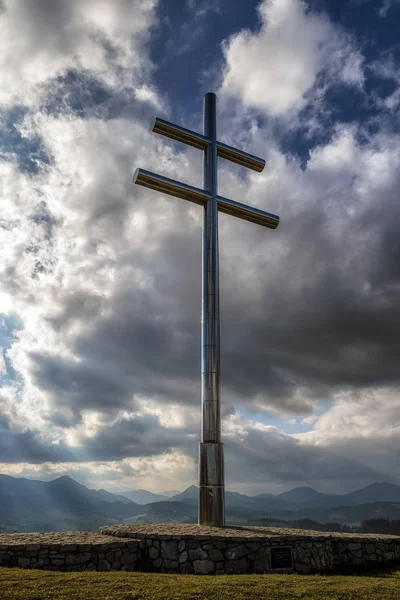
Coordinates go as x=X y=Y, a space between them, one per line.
x=187 y=548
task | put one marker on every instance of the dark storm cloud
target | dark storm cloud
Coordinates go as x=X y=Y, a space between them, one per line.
x=81 y=93
x=271 y=457
x=326 y=318
x=139 y=436
x=16 y=447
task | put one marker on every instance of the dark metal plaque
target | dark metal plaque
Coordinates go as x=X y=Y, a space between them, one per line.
x=281 y=557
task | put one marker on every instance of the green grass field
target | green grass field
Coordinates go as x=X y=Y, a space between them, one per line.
x=49 y=585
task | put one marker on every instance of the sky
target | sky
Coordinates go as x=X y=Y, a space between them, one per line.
x=100 y=280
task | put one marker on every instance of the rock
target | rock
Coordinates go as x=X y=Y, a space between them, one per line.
x=237 y=552
x=261 y=563
x=198 y=554
x=215 y=555
x=183 y=556
x=186 y=567
x=68 y=547
x=169 y=550
x=236 y=566
x=153 y=553
x=57 y=561
x=181 y=546
x=24 y=562
x=169 y=564
x=157 y=563
x=352 y=547
x=103 y=565
x=77 y=559
x=203 y=567
x=127 y=559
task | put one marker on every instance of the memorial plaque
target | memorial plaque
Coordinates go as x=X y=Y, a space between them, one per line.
x=281 y=557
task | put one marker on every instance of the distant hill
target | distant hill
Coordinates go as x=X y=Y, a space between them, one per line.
x=61 y=504
x=64 y=504
x=143 y=496
x=376 y=492
x=170 y=493
x=191 y=493
x=340 y=514
x=234 y=499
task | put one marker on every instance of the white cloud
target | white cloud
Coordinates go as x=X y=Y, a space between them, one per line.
x=274 y=68
x=41 y=39
x=386 y=6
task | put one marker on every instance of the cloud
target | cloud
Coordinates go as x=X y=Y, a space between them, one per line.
x=386 y=6
x=102 y=371
x=274 y=68
x=43 y=39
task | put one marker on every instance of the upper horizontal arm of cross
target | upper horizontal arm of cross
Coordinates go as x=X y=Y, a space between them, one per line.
x=199 y=141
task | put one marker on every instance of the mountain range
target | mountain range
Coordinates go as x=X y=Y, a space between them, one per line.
x=64 y=504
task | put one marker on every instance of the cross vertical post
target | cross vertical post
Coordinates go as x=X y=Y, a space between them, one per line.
x=211 y=450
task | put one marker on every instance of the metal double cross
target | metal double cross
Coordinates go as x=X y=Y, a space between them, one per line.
x=211 y=450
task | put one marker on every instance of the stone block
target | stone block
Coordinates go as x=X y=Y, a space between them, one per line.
x=24 y=562
x=221 y=545
x=104 y=565
x=157 y=563
x=203 y=567
x=215 y=555
x=153 y=553
x=127 y=559
x=77 y=559
x=236 y=552
x=33 y=547
x=261 y=563
x=183 y=556
x=181 y=546
x=236 y=566
x=186 y=567
x=389 y=556
x=68 y=547
x=352 y=547
x=169 y=564
x=198 y=554
x=169 y=550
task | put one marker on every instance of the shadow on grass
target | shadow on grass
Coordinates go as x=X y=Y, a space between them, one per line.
x=389 y=569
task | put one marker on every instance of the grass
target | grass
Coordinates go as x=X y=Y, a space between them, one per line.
x=30 y=584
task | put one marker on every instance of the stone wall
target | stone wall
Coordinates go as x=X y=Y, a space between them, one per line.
x=69 y=551
x=193 y=549
x=365 y=551
x=230 y=556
